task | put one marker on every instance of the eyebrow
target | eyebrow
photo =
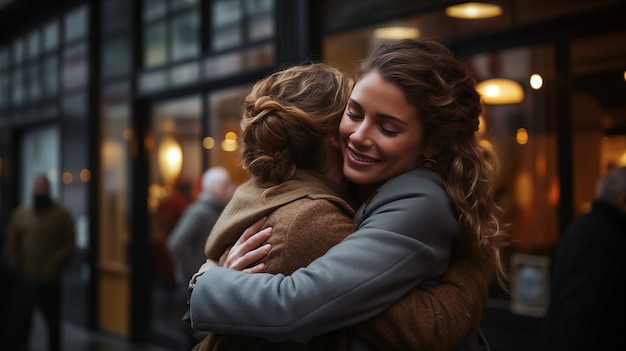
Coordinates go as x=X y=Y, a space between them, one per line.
x=380 y=115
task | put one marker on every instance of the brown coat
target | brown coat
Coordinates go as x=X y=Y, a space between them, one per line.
x=306 y=222
x=308 y=216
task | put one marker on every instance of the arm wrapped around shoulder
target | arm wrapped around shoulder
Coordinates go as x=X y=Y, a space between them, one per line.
x=440 y=318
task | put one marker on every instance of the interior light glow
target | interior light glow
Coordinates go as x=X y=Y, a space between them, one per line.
x=536 y=81
x=500 y=91
x=396 y=33
x=474 y=10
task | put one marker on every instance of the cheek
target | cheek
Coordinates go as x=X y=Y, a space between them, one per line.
x=344 y=129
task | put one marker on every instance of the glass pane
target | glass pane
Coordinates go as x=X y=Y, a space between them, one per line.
x=175 y=163
x=226 y=23
x=51 y=36
x=34 y=82
x=4 y=90
x=153 y=9
x=240 y=61
x=598 y=118
x=224 y=130
x=18 y=51
x=226 y=12
x=155 y=53
x=116 y=16
x=185 y=33
x=75 y=66
x=261 y=27
x=116 y=57
x=114 y=198
x=153 y=80
x=181 y=4
x=226 y=38
x=76 y=24
x=4 y=58
x=185 y=73
x=523 y=134
x=51 y=76
x=33 y=44
x=17 y=86
x=260 y=19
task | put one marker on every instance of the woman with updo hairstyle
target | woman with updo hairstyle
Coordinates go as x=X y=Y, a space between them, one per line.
x=416 y=272
x=287 y=119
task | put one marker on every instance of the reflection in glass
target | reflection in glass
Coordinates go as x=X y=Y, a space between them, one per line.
x=115 y=56
x=33 y=81
x=50 y=82
x=175 y=165
x=185 y=31
x=33 y=44
x=226 y=24
x=224 y=127
x=153 y=9
x=51 y=36
x=76 y=24
x=155 y=53
x=75 y=66
x=113 y=197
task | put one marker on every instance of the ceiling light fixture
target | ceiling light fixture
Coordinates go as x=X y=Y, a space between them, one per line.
x=498 y=91
x=396 y=33
x=474 y=10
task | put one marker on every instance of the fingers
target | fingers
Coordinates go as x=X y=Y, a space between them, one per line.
x=224 y=256
x=251 y=230
x=259 y=268
x=248 y=258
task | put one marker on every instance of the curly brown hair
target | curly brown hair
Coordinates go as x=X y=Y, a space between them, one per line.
x=439 y=86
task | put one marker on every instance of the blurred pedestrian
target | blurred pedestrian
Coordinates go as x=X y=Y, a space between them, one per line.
x=587 y=306
x=41 y=243
x=186 y=243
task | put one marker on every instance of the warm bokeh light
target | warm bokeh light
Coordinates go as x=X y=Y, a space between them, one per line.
x=521 y=136
x=500 y=91
x=208 y=143
x=229 y=145
x=85 y=175
x=397 y=33
x=474 y=10
x=67 y=178
x=170 y=157
x=536 y=81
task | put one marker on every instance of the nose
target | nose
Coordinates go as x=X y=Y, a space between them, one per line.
x=360 y=137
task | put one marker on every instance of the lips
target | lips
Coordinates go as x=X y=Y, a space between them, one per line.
x=360 y=158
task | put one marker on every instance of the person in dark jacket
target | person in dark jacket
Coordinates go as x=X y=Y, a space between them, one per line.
x=41 y=243
x=587 y=306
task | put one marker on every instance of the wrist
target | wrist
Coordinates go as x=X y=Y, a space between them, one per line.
x=192 y=284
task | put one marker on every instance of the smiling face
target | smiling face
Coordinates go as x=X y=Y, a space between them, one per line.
x=380 y=132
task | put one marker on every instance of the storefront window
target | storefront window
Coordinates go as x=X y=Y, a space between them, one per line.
x=224 y=130
x=175 y=167
x=171 y=32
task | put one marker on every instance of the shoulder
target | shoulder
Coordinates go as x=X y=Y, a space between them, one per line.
x=416 y=187
x=415 y=181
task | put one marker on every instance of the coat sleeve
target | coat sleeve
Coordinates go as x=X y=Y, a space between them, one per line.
x=440 y=318
x=357 y=279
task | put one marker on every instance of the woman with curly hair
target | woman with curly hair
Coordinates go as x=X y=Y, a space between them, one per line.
x=408 y=146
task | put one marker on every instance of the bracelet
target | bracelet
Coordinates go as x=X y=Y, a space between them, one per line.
x=192 y=284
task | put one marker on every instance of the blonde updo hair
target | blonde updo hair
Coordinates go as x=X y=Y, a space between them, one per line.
x=288 y=116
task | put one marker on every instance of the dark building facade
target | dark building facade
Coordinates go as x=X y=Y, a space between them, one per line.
x=124 y=104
